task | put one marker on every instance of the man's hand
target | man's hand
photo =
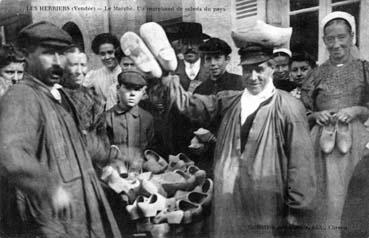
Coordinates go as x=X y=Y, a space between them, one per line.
x=170 y=77
x=204 y=135
x=62 y=204
x=120 y=167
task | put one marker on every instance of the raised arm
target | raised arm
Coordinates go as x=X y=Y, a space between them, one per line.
x=199 y=108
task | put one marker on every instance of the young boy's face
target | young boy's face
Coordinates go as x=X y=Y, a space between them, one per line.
x=130 y=95
x=216 y=63
x=127 y=64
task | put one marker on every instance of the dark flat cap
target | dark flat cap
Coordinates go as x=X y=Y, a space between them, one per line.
x=215 y=46
x=43 y=32
x=104 y=38
x=132 y=77
x=185 y=30
x=254 y=53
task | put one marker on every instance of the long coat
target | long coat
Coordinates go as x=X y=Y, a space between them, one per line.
x=41 y=149
x=272 y=179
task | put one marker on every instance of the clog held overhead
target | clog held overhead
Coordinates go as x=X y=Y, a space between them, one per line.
x=155 y=38
x=263 y=34
x=134 y=47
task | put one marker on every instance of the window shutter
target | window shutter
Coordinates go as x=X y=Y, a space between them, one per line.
x=246 y=12
x=246 y=9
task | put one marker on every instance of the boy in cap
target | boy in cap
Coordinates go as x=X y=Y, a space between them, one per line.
x=125 y=63
x=49 y=187
x=129 y=126
x=104 y=45
x=264 y=175
x=216 y=55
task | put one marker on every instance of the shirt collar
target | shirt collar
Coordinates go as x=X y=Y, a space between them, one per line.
x=191 y=65
x=133 y=110
x=54 y=91
x=267 y=92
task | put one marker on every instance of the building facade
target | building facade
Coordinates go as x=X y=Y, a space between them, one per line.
x=84 y=19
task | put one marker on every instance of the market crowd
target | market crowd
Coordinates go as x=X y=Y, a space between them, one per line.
x=284 y=145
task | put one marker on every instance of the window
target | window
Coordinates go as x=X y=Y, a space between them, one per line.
x=305 y=32
x=335 y=1
x=301 y=4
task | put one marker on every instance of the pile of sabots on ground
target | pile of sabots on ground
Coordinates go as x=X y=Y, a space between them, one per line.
x=172 y=192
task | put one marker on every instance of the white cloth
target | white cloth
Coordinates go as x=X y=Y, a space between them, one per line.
x=344 y=15
x=250 y=102
x=192 y=69
x=103 y=80
x=55 y=92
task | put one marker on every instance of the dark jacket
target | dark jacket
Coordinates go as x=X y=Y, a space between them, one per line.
x=132 y=131
x=227 y=81
x=185 y=80
x=41 y=150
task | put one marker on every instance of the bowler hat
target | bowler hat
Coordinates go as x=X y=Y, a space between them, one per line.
x=45 y=33
x=132 y=77
x=215 y=46
x=185 y=30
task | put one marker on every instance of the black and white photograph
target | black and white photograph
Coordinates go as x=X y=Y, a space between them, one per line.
x=184 y=118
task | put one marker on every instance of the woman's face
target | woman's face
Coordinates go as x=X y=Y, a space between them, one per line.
x=299 y=71
x=13 y=72
x=338 y=40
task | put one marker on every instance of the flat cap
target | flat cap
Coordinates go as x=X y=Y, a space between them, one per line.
x=256 y=43
x=132 y=77
x=43 y=32
x=255 y=53
x=215 y=46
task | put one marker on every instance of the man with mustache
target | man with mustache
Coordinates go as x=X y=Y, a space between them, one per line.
x=188 y=38
x=48 y=184
x=104 y=45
